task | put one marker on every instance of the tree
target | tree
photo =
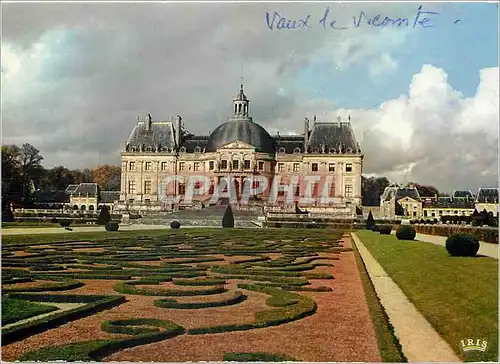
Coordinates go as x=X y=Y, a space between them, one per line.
x=82 y=176
x=104 y=216
x=228 y=218
x=370 y=222
x=372 y=188
x=426 y=190
x=21 y=167
x=107 y=177
x=399 y=210
x=57 y=178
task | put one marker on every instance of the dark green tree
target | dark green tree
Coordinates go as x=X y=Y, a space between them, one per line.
x=370 y=221
x=228 y=218
x=104 y=216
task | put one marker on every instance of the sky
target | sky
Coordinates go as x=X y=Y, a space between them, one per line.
x=423 y=98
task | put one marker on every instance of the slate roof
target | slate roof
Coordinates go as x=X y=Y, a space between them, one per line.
x=459 y=203
x=244 y=130
x=408 y=192
x=71 y=188
x=196 y=144
x=389 y=193
x=333 y=137
x=91 y=189
x=109 y=196
x=463 y=194
x=161 y=135
x=487 y=195
x=289 y=143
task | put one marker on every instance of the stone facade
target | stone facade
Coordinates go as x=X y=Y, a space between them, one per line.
x=326 y=151
x=412 y=205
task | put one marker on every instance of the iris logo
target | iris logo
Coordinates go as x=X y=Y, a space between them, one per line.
x=473 y=345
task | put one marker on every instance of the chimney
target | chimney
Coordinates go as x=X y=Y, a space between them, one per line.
x=148 y=122
x=178 y=122
x=306 y=133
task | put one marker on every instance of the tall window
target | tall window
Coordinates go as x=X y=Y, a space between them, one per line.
x=132 y=166
x=297 y=191
x=247 y=164
x=182 y=166
x=211 y=165
x=196 y=166
x=261 y=166
x=348 y=190
x=348 y=167
x=131 y=187
x=148 y=166
x=147 y=187
x=223 y=164
x=281 y=167
x=236 y=164
x=296 y=167
x=182 y=188
x=163 y=166
x=331 y=167
x=314 y=167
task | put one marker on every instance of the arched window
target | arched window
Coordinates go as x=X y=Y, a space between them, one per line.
x=183 y=149
x=332 y=150
x=282 y=150
x=239 y=108
x=197 y=150
x=83 y=207
x=91 y=208
x=235 y=108
x=296 y=150
x=75 y=207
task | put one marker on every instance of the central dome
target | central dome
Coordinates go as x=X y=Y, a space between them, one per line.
x=242 y=130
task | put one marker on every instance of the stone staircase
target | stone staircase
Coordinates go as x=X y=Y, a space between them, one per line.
x=209 y=216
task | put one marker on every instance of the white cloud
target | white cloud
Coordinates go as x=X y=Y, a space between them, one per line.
x=382 y=65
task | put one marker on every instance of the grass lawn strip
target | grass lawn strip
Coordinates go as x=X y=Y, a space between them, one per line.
x=446 y=290
x=14 y=311
x=389 y=346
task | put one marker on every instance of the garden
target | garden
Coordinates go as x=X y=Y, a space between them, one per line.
x=189 y=295
x=454 y=288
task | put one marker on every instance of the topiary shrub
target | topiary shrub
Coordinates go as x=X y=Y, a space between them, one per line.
x=112 y=226
x=385 y=229
x=406 y=232
x=175 y=224
x=462 y=245
x=65 y=223
x=376 y=228
x=370 y=222
x=228 y=218
x=104 y=216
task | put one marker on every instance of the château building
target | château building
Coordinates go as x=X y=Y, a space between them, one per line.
x=240 y=148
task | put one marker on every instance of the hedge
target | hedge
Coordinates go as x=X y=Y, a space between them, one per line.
x=64 y=285
x=246 y=357
x=489 y=235
x=95 y=350
x=129 y=288
x=285 y=313
x=238 y=297
x=94 y=304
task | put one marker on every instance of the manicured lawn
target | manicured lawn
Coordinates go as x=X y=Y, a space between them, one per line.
x=457 y=295
x=390 y=349
x=16 y=310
